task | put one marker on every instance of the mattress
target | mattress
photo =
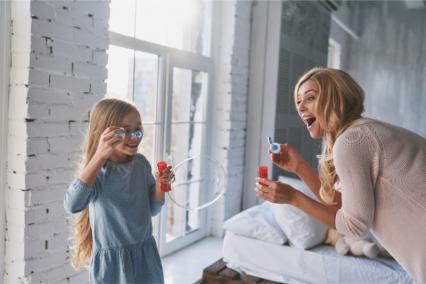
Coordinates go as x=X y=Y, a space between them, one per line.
x=322 y=264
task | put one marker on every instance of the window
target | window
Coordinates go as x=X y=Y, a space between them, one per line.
x=182 y=24
x=334 y=51
x=161 y=63
x=4 y=89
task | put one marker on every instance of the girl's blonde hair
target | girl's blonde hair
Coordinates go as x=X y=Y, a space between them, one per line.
x=338 y=104
x=105 y=113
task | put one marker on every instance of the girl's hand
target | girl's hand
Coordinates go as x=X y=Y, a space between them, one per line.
x=288 y=159
x=166 y=176
x=274 y=191
x=107 y=142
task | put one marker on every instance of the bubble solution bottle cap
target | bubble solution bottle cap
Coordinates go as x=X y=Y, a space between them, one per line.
x=274 y=147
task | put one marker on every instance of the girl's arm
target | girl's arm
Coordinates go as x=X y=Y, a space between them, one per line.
x=89 y=173
x=106 y=145
x=158 y=195
x=157 y=198
x=166 y=176
x=81 y=190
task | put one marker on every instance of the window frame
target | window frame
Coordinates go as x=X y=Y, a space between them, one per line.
x=168 y=59
x=4 y=104
x=186 y=61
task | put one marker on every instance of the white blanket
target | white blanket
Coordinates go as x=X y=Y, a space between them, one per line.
x=322 y=264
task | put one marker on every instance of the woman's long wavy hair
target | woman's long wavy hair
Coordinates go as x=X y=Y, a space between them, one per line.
x=105 y=113
x=339 y=103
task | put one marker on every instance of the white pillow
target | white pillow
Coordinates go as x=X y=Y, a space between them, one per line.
x=302 y=230
x=258 y=223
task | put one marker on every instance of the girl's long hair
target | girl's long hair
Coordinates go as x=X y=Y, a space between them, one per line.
x=338 y=105
x=105 y=113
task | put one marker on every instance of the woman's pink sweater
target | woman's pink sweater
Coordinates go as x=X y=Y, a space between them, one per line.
x=382 y=172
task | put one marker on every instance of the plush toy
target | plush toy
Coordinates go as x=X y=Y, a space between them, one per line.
x=357 y=247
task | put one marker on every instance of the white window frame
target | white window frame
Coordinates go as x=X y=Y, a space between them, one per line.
x=168 y=59
x=188 y=61
x=4 y=104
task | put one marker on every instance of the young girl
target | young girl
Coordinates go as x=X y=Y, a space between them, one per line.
x=116 y=195
x=372 y=174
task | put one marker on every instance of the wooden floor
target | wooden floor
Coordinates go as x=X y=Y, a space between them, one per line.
x=219 y=273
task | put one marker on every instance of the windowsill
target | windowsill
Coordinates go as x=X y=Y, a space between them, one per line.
x=187 y=264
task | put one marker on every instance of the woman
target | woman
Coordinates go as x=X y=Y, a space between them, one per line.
x=372 y=175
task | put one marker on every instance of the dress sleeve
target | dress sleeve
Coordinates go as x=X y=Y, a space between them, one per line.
x=79 y=195
x=356 y=159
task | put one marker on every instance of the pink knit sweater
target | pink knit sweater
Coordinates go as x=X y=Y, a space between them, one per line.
x=382 y=172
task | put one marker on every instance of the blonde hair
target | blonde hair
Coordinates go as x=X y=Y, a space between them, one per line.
x=105 y=113
x=338 y=105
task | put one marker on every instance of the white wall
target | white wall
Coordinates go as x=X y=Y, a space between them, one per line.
x=58 y=72
x=4 y=89
x=231 y=56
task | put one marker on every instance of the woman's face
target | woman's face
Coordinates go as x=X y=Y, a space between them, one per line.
x=129 y=145
x=305 y=101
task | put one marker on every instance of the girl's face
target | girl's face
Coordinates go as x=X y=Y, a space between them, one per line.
x=129 y=144
x=306 y=100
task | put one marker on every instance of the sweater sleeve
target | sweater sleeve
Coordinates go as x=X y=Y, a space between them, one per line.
x=356 y=159
x=78 y=196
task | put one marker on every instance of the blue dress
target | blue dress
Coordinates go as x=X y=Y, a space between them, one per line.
x=120 y=208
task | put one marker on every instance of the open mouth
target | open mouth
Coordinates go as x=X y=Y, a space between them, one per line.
x=310 y=121
x=132 y=145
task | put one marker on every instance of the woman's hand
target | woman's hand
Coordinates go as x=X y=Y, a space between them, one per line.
x=107 y=142
x=288 y=159
x=274 y=191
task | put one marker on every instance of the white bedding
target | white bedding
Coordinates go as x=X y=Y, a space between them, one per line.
x=322 y=264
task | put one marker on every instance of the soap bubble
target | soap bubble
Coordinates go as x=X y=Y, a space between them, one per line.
x=198 y=183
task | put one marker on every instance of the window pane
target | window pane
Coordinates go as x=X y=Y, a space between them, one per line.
x=181 y=222
x=183 y=24
x=147 y=145
x=186 y=141
x=189 y=95
x=120 y=72
x=146 y=82
x=122 y=17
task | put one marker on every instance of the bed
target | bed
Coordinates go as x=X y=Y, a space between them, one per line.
x=322 y=264
x=257 y=243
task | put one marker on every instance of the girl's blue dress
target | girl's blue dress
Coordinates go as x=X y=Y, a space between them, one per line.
x=121 y=205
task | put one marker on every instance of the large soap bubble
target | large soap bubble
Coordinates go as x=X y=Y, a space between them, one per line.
x=198 y=183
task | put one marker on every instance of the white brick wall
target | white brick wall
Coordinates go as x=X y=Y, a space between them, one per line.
x=58 y=71
x=231 y=57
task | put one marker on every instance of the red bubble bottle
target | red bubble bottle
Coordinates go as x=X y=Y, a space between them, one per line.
x=263 y=172
x=164 y=186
